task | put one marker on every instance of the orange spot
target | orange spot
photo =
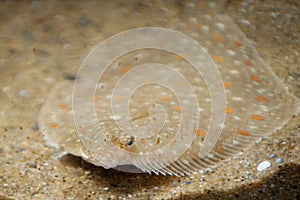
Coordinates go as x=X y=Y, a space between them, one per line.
x=248 y=63
x=257 y=117
x=237 y=43
x=220 y=150
x=218 y=38
x=166 y=98
x=227 y=84
x=194 y=156
x=96 y=98
x=229 y=110
x=199 y=25
x=177 y=108
x=219 y=58
x=202 y=4
x=200 y=132
x=126 y=69
x=261 y=98
x=213 y=13
x=242 y=132
x=143 y=141
x=121 y=98
x=54 y=125
x=181 y=83
x=63 y=106
x=178 y=57
x=255 y=78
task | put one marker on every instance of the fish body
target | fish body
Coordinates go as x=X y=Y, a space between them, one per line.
x=209 y=99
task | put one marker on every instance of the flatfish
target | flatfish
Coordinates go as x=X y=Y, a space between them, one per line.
x=182 y=91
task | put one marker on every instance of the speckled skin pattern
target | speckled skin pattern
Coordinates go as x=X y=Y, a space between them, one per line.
x=238 y=103
x=42 y=46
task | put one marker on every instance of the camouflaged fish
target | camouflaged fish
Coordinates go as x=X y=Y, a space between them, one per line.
x=216 y=117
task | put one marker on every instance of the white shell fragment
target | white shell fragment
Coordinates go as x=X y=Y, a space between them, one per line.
x=174 y=99
x=263 y=166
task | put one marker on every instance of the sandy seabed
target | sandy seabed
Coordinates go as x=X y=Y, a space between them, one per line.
x=27 y=167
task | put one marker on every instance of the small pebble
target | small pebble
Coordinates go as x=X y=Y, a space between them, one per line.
x=31 y=164
x=5 y=89
x=242 y=11
x=212 y=4
x=245 y=22
x=188 y=182
x=67 y=47
x=207 y=170
x=272 y=156
x=274 y=15
x=87 y=172
x=279 y=160
x=23 y=93
x=35 y=4
x=263 y=165
x=59 y=18
x=250 y=1
x=84 y=21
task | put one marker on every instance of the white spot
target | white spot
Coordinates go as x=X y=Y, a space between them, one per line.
x=231 y=53
x=252 y=127
x=140 y=56
x=220 y=26
x=262 y=70
x=236 y=62
x=207 y=17
x=205 y=29
x=186 y=162
x=260 y=91
x=210 y=156
x=197 y=79
x=235 y=142
x=234 y=72
x=186 y=102
x=253 y=70
x=212 y=4
x=237 y=98
x=208 y=43
x=190 y=5
x=236 y=118
x=193 y=20
x=264 y=108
